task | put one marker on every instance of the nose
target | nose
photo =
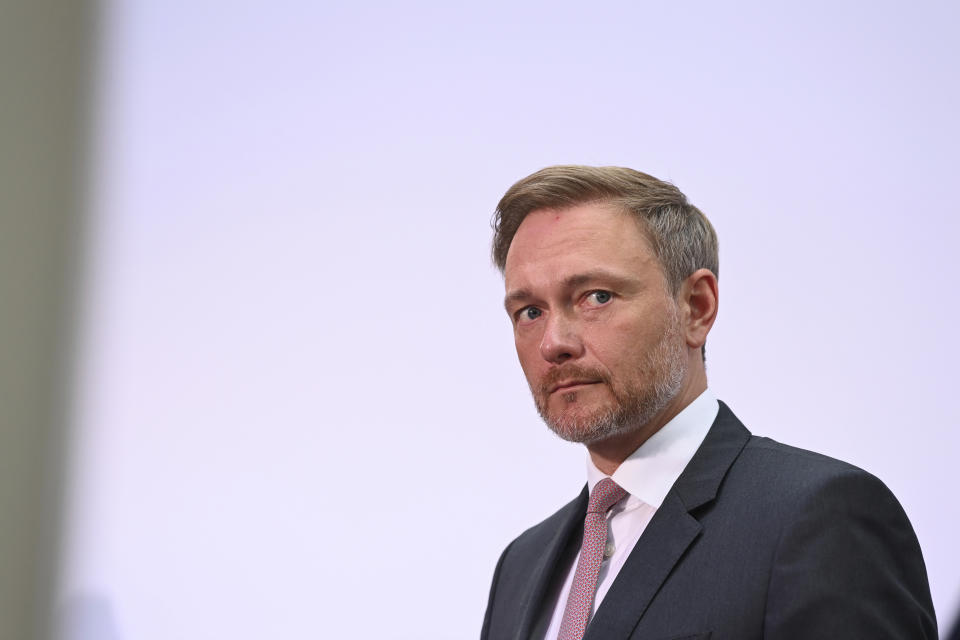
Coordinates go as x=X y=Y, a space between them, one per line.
x=561 y=340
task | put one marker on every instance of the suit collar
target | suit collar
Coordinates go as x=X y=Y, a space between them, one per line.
x=544 y=572
x=671 y=531
x=700 y=481
x=650 y=471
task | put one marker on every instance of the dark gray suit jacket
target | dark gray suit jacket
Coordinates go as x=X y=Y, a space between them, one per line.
x=755 y=540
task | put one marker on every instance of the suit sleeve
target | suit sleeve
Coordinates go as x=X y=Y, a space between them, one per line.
x=848 y=565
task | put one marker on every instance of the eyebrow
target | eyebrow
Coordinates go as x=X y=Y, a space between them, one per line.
x=518 y=295
x=571 y=282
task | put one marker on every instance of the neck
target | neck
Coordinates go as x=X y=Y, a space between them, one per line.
x=609 y=454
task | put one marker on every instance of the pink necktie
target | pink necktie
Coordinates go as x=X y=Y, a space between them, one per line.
x=580 y=602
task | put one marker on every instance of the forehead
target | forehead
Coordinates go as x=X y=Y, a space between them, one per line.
x=553 y=244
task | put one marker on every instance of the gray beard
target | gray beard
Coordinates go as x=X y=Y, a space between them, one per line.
x=634 y=407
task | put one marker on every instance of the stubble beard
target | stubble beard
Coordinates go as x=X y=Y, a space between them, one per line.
x=636 y=401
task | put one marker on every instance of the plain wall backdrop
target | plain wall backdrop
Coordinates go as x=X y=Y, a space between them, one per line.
x=299 y=412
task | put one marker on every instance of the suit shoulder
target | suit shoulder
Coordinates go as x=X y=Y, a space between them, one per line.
x=764 y=450
x=765 y=460
x=839 y=531
x=801 y=472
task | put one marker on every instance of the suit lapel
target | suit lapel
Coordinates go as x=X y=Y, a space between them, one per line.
x=671 y=531
x=544 y=570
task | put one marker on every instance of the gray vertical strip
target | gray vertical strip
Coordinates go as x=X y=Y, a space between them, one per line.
x=45 y=81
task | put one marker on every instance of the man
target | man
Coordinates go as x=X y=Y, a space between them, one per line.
x=689 y=527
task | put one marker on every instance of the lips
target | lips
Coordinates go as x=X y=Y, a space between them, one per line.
x=566 y=384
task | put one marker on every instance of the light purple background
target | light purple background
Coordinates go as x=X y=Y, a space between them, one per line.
x=300 y=414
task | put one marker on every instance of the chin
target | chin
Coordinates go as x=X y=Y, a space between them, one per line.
x=586 y=427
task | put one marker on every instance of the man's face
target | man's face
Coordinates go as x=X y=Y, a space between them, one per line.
x=596 y=328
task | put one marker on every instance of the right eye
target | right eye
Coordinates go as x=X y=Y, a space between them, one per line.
x=528 y=314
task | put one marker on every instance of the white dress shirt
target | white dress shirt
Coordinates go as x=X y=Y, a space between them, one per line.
x=647 y=476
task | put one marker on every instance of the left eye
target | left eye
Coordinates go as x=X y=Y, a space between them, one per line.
x=599 y=298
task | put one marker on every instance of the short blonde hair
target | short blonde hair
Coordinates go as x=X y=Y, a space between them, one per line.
x=682 y=237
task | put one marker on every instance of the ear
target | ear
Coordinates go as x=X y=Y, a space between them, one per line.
x=697 y=299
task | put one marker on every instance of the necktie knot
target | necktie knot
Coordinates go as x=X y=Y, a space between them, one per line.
x=605 y=494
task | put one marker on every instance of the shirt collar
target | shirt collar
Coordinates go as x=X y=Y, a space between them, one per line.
x=652 y=469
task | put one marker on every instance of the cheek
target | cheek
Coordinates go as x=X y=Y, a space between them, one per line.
x=534 y=367
x=528 y=354
x=619 y=348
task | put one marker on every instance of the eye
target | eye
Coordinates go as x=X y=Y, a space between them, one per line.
x=599 y=298
x=528 y=314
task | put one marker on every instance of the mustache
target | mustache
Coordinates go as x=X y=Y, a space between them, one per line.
x=569 y=372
